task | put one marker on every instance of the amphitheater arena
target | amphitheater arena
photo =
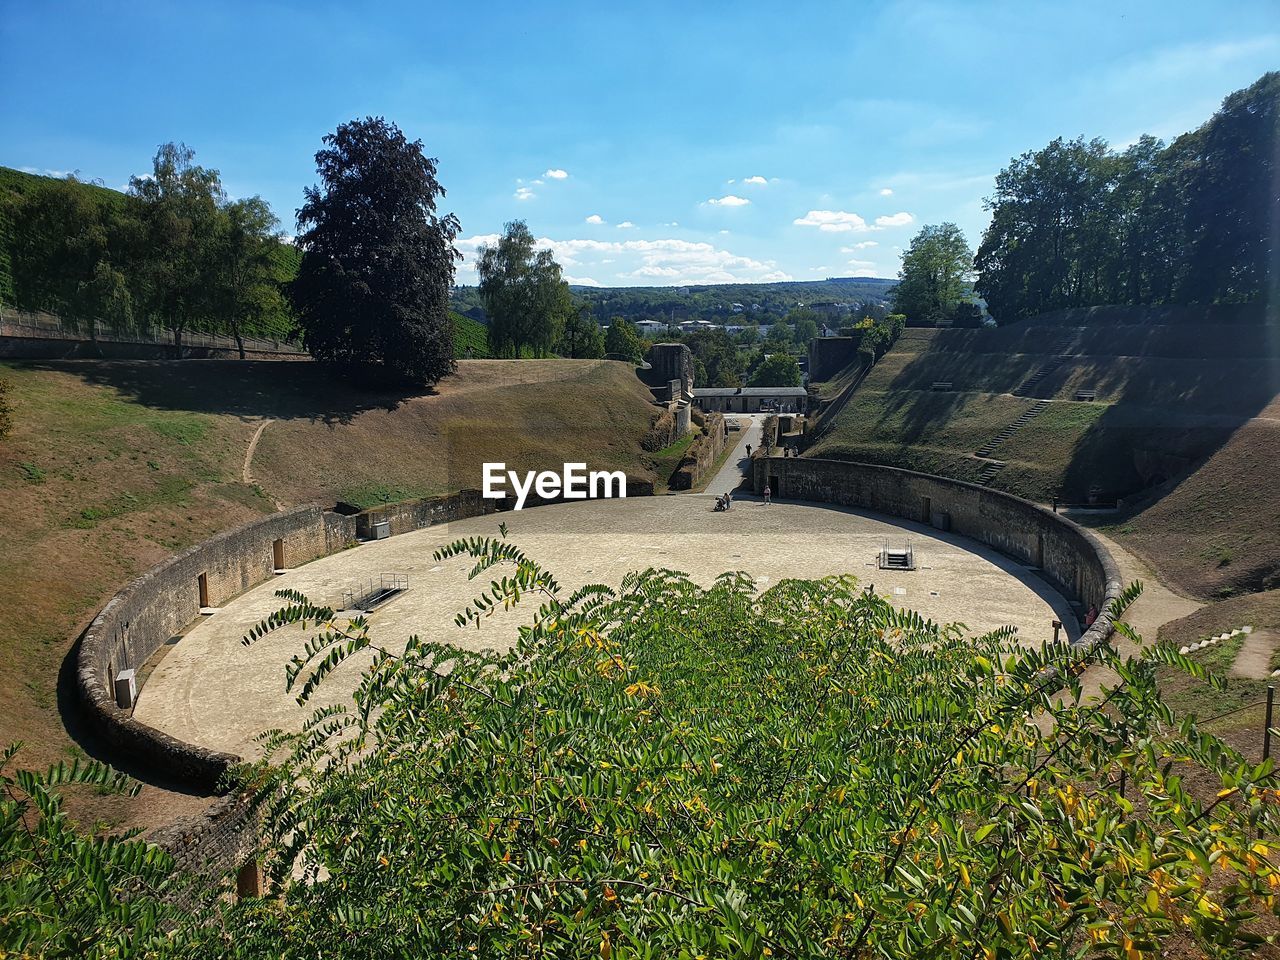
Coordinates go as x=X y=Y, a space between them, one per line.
x=981 y=557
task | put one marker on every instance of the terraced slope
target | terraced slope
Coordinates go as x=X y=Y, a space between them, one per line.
x=1182 y=405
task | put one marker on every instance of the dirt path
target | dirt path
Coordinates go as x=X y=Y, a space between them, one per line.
x=1254 y=658
x=253 y=446
x=1155 y=607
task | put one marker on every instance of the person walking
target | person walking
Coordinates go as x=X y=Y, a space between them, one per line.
x=767 y=493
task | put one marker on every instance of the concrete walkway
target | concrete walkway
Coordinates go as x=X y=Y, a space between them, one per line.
x=734 y=471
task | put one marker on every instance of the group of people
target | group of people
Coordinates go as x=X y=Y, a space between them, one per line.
x=724 y=502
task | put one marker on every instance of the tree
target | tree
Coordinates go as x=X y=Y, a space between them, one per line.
x=524 y=294
x=776 y=370
x=581 y=337
x=246 y=292
x=378 y=261
x=76 y=245
x=723 y=363
x=807 y=324
x=934 y=271
x=622 y=342
x=779 y=337
x=179 y=208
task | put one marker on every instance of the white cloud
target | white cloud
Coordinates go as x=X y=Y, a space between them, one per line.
x=582 y=281
x=862 y=264
x=832 y=221
x=596 y=219
x=886 y=191
x=536 y=183
x=555 y=173
x=759 y=180
x=673 y=223
x=60 y=174
x=669 y=260
x=625 y=225
x=859 y=246
x=895 y=220
x=728 y=200
x=523 y=193
x=731 y=180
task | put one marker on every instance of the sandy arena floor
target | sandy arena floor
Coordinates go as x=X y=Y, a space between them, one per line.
x=211 y=690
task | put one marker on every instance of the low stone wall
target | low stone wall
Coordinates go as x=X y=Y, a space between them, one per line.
x=1071 y=558
x=409 y=515
x=143 y=616
x=702 y=454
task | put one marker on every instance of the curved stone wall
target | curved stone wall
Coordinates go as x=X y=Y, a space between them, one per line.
x=146 y=614
x=165 y=600
x=1070 y=557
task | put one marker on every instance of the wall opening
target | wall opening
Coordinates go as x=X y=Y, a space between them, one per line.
x=203 y=582
x=1039 y=558
x=927 y=510
x=277 y=554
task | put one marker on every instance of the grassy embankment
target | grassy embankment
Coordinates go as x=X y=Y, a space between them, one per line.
x=1193 y=403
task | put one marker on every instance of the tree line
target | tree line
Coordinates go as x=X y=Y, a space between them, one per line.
x=173 y=252
x=1078 y=223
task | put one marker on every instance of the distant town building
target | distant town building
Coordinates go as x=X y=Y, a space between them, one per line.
x=651 y=328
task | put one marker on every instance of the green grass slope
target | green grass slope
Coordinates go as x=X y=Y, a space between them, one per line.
x=1185 y=407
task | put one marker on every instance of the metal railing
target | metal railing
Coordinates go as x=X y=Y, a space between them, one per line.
x=48 y=326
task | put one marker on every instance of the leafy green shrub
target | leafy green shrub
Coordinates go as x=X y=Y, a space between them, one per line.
x=66 y=895
x=664 y=770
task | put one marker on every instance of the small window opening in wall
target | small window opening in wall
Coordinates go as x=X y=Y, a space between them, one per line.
x=203 y=582
x=277 y=554
x=1040 y=551
x=928 y=510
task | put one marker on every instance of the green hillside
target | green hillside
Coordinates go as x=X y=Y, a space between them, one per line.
x=1182 y=410
x=715 y=301
x=470 y=338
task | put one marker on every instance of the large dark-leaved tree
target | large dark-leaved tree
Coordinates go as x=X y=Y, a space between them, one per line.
x=378 y=262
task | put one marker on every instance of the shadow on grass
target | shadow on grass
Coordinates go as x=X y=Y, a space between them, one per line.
x=278 y=389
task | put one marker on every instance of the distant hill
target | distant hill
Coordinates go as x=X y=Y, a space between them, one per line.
x=715 y=301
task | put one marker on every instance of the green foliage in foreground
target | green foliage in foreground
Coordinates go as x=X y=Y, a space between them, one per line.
x=668 y=771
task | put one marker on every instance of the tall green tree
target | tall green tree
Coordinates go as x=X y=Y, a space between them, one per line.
x=524 y=293
x=75 y=253
x=776 y=370
x=180 y=203
x=935 y=270
x=1076 y=224
x=581 y=337
x=622 y=342
x=248 y=298
x=372 y=292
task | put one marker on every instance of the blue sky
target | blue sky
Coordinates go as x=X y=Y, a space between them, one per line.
x=664 y=144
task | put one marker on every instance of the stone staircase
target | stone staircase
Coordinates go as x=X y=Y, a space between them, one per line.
x=1028 y=387
x=1027 y=416
x=988 y=473
x=992 y=467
